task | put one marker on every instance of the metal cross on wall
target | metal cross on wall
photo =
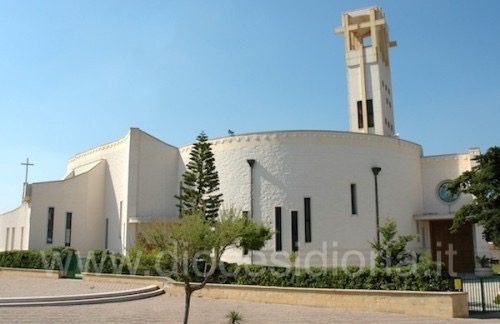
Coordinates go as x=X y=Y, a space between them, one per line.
x=27 y=164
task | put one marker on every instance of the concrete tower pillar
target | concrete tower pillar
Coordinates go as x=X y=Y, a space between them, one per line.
x=368 y=71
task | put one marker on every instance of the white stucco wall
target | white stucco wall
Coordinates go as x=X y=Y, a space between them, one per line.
x=153 y=181
x=82 y=196
x=140 y=181
x=375 y=73
x=435 y=170
x=321 y=165
x=116 y=186
x=14 y=229
x=134 y=180
x=154 y=171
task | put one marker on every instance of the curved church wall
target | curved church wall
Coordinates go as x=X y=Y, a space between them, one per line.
x=116 y=176
x=321 y=165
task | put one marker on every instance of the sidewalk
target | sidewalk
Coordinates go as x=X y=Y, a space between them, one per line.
x=170 y=309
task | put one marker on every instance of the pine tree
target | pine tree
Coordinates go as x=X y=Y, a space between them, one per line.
x=201 y=181
x=392 y=252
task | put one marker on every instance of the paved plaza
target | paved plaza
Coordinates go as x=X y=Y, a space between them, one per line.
x=170 y=309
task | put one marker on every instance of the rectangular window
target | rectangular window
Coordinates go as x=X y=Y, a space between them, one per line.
x=360 y=114
x=354 y=199
x=50 y=225
x=369 y=110
x=12 y=239
x=277 y=228
x=22 y=238
x=67 y=234
x=120 y=219
x=106 y=234
x=7 y=240
x=307 y=219
x=295 y=231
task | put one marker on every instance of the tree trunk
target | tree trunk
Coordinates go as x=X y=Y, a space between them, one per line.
x=189 y=291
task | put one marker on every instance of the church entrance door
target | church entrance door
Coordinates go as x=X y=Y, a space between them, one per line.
x=455 y=250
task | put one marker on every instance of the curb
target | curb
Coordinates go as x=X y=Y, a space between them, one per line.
x=98 y=298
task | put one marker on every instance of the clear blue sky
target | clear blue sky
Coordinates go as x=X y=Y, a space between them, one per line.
x=77 y=74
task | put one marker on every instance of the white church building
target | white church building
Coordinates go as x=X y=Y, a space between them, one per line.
x=323 y=192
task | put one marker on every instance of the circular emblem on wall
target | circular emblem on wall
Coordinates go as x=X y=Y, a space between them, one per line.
x=445 y=195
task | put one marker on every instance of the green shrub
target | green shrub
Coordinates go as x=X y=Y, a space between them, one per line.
x=105 y=261
x=420 y=277
x=391 y=251
x=148 y=262
x=57 y=258
x=497 y=299
x=424 y=276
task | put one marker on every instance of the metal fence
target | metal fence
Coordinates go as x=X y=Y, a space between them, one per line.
x=484 y=293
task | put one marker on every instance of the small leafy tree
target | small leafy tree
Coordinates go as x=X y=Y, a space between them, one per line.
x=483 y=183
x=391 y=251
x=195 y=240
x=201 y=181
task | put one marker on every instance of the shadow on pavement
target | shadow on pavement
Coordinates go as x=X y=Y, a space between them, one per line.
x=487 y=315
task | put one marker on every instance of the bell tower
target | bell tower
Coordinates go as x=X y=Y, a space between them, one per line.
x=367 y=44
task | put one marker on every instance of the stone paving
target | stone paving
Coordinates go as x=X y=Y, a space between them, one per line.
x=170 y=309
x=25 y=286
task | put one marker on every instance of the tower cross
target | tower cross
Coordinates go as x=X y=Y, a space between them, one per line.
x=27 y=164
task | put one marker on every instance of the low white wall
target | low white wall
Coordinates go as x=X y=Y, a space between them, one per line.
x=419 y=303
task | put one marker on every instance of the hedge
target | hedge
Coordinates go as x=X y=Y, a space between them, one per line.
x=56 y=258
x=137 y=263
x=424 y=276
x=420 y=277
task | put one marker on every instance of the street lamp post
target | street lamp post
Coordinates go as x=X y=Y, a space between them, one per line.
x=376 y=171
x=251 y=163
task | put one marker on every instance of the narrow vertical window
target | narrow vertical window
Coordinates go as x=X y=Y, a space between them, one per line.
x=295 y=231
x=277 y=228
x=106 y=234
x=21 y=245
x=12 y=239
x=120 y=219
x=360 y=114
x=67 y=234
x=50 y=225
x=369 y=110
x=7 y=240
x=307 y=219
x=245 y=214
x=354 y=202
